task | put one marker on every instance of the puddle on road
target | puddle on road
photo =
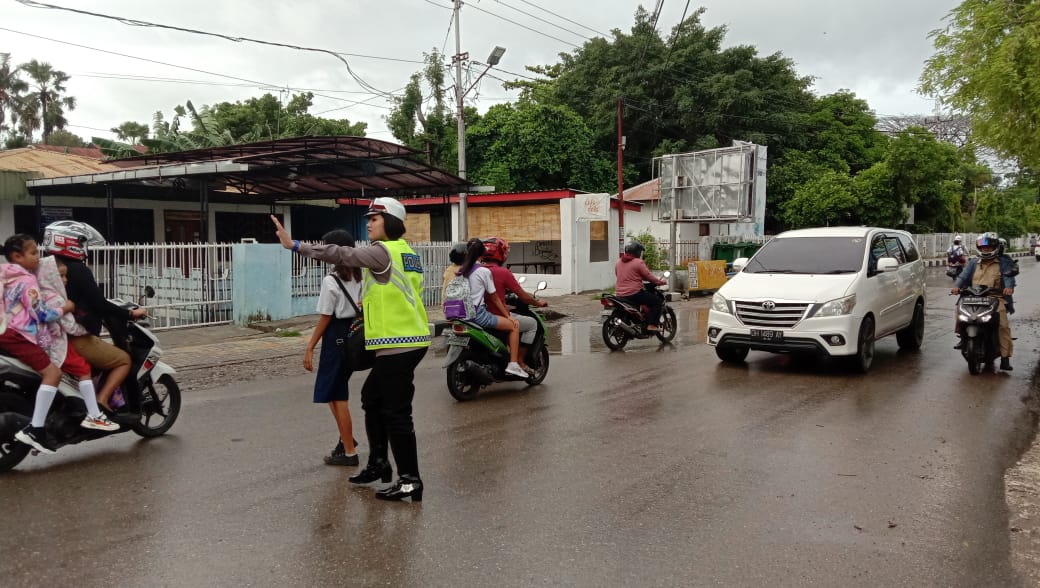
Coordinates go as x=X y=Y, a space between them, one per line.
x=569 y=338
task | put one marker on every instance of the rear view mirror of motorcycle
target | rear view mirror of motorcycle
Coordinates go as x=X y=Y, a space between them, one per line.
x=521 y=279
x=542 y=286
x=667 y=274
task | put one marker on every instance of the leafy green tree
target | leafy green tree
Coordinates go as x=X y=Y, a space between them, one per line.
x=824 y=200
x=1001 y=212
x=530 y=146
x=12 y=88
x=876 y=203
x=131 y=131
x=64 y=138
x=421 y=118
x=684 y=90
x=47 y=98
x=985 y=66
x=920 y=166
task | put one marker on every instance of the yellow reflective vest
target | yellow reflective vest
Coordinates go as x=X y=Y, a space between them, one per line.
x=394 y=312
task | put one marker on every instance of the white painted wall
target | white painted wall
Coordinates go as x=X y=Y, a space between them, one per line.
x=6 y=219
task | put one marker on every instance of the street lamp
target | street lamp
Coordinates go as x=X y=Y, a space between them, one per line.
x=460 y=94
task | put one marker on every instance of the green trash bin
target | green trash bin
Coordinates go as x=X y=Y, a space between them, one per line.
x=730 y=252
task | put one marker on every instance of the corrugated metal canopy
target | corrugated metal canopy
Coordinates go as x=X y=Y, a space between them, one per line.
x=283 y=169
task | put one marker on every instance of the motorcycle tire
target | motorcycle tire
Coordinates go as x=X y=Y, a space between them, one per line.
x=12 y=451
x=974 y=356
x=459 y=385
x=613 y=336
x=667 y=326
x=166 y=404
x=543 y=367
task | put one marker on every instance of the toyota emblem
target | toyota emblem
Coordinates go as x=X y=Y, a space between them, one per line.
x=768 y=305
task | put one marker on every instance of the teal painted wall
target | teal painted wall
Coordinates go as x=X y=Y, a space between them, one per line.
x=262 y=286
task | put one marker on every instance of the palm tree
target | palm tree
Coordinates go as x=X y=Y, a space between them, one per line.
x=11 y=89
x=47 y=97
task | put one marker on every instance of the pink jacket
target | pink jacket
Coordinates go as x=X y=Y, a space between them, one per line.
x=24 y=304
x=630 y=272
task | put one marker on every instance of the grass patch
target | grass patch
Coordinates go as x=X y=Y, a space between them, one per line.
x=286 y=333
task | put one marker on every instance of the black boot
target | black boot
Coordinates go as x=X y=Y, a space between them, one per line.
x=1005 y=364
x=406 y=486
x=375 y=470
x=960 y=343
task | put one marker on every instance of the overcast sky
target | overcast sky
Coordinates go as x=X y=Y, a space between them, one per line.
x=876 y=48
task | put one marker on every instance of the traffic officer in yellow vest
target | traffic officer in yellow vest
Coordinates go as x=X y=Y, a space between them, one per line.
x=397 y=330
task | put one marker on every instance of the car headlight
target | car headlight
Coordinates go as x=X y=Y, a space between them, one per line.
x=839 y=307
x=719 y=303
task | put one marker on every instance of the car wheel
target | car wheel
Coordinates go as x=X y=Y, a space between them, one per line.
x=732 y=354
x=860 y=363
x=913 y=335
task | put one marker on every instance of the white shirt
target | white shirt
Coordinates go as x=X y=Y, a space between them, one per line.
x=331 y=300
x=480 y=281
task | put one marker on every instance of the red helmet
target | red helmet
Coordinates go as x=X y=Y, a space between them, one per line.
x=496 y=249
x=70 y=239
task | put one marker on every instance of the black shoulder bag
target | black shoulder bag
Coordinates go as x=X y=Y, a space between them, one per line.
x=358 y=358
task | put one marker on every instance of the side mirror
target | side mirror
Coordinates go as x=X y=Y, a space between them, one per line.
x=521 y=279
x=541 y=286
x=739 y=263
x=887 y=264
x=149 y=292
x=667 y=274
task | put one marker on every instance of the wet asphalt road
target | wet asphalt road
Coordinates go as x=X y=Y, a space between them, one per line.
x=655 y=466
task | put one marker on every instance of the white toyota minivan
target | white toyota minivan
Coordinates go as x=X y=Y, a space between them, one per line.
x=830 y=291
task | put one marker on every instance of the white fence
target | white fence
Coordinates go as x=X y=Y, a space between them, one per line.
x=931 y=246
x=192 y=281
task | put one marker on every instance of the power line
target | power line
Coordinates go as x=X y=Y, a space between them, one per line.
x=228 y=76
x=538 y=18
x=475 y=7
x=564 y=18
x=138 y=78
x=142 y=23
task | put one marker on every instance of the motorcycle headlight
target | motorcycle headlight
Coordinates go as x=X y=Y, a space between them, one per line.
x=838 y=307
x=719 y=303
x=985 y=317
x=963 y=317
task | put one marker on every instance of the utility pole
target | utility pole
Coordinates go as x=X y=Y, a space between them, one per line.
x=457 y=60
x=620 y=181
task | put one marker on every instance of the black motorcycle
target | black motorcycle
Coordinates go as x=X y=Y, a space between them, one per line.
x=151 y=395
x=978 y=324
x=623 y=321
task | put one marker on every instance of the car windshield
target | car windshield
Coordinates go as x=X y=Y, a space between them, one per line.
x=809 y=255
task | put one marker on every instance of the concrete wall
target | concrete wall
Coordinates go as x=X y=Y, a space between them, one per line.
x=262 y=288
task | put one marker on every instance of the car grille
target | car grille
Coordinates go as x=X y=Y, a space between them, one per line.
x=777 y=315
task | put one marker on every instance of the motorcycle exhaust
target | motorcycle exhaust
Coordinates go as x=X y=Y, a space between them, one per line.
x=478 y=373
x=627 y=328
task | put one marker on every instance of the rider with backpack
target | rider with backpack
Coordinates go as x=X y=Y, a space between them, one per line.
x=464 y=299
x=956 y=258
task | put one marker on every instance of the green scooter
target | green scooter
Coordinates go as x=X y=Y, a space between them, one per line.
x=478 y=358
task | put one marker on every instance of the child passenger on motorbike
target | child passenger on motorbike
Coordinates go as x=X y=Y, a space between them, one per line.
x=482 y=283
x=27 y=336
x=69 y=240
x=495 y=254
x=631 y=271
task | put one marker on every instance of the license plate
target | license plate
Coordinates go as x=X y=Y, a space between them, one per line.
x=767 y=336
x=458 y=341
x=976 y=300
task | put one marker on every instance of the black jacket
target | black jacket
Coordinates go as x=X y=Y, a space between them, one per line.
x=91 y=305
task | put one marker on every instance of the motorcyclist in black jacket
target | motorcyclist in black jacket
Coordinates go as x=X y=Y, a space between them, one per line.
x=69 y=241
